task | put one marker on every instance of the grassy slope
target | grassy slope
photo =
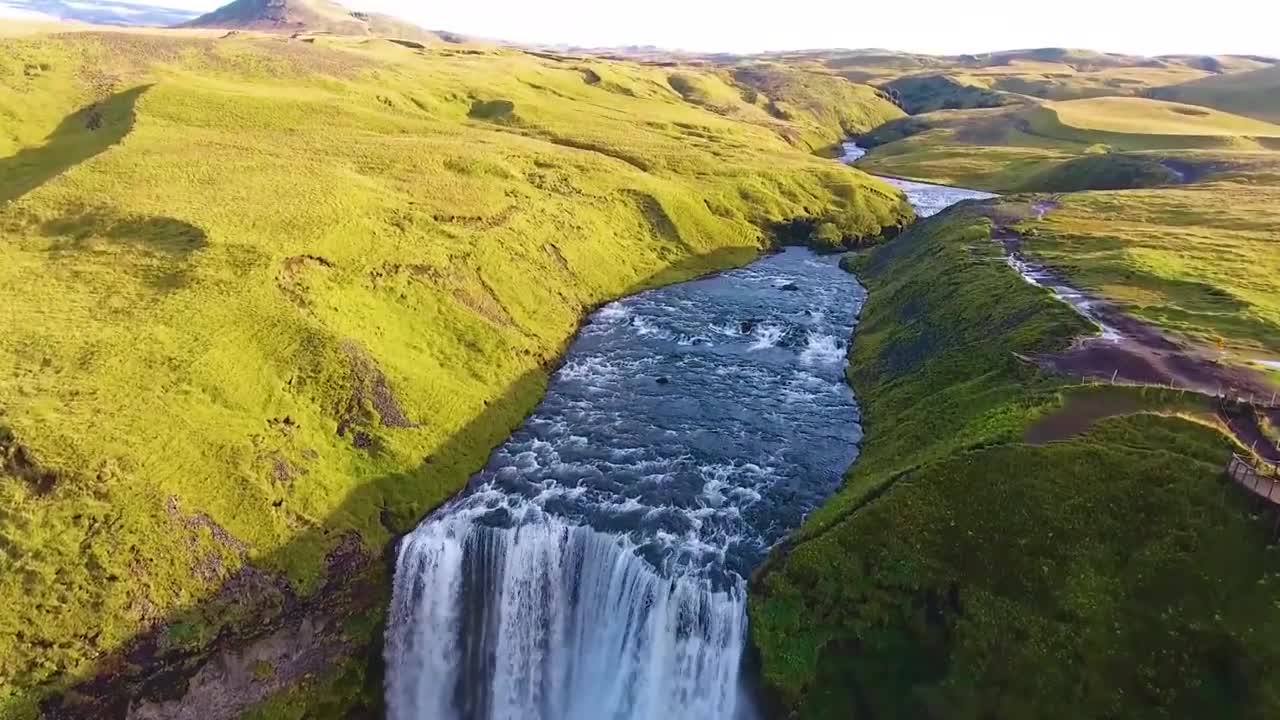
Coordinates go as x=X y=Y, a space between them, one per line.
x=1146 y=124
x=1014 y=149
x=1195 y=258
x=251 y=284
x=1254 y=94
x=957 y=558
x=1144 y=116
x=988 y=148
x=1203 y=260
x=827 y=109
x=926 y=93
x=1047 y=73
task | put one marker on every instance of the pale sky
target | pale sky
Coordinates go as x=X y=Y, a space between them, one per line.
x=1144 y=27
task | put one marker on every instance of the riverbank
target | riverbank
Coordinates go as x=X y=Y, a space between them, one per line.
x=232 y=387
x=1171 y=223
x=958 y=556
x=689 y=428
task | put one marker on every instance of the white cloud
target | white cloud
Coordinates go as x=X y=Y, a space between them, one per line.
x=13 y=13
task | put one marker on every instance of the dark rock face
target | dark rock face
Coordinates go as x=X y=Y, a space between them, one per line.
x=282 y=639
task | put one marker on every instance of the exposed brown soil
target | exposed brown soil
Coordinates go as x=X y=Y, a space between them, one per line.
x=1078 y=415
x=1244 y=421
x=292 y=272
x=369 y=388
x=17 y=461
x=1128 y=350
x=1131 y=350
x=281 y=639
x=1145 y=355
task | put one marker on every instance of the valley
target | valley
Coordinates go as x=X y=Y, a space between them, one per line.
x=353 y=369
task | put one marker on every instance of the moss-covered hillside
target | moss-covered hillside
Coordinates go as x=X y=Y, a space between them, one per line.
x=267 y=301
x=964 y=572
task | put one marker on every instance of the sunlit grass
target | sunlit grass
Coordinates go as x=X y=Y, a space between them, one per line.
x=198 y=274
x=1202 y=260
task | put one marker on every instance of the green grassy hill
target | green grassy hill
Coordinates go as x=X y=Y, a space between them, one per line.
x=1025 y=148
x=1130 y=123
x=1254 y=94
x=925 y=93
x=964 y=572
x=826 y=108
x=1188 y=241
x=269 y=301
x=1045 y=73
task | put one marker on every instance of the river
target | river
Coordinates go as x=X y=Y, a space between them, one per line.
x=594 y=569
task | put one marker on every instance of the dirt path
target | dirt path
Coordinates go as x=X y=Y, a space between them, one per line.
x=1127 y=350
x=1130 y=350
x=1243 y=421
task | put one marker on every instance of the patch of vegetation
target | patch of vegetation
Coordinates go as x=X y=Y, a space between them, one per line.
x=1254 y=94
x=342 y=692
x=1106 y=171
x=1198 y=260
x=957 y=556
x=1145 y=124
x=926 y=93
x=293 y=293
x=492 y=110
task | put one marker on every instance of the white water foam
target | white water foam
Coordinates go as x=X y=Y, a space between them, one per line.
x=822 y=349
x=584 y=629
x=594 y=568
x=767 y=335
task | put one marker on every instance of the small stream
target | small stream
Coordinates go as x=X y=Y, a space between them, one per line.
x=930 y=199
x=595 y=568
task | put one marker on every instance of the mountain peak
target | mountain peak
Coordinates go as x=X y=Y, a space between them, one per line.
x=319 y=16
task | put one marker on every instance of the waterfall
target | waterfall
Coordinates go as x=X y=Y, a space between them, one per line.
x=593 y=569
x=552 y=621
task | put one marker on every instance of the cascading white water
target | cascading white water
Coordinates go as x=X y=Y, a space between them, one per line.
x=594 y=569
x=580 y=627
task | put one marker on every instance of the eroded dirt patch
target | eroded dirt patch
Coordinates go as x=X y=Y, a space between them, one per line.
x=1078 y=414
x=370 y=391
x=1126 y=349
x=292 y=277
x=17 y=461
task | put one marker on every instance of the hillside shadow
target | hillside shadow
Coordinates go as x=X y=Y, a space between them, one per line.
x=254 y=636
x=159 y=248
x=160 y=235
x=80 y=136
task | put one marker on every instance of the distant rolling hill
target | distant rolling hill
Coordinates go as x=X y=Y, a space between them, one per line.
x=1254 y=94
x=309 y=16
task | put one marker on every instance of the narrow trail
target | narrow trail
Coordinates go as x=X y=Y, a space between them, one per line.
x=1130 y=351
x=1125 y=351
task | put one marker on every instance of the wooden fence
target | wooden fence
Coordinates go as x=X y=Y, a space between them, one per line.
x=1257 y=476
